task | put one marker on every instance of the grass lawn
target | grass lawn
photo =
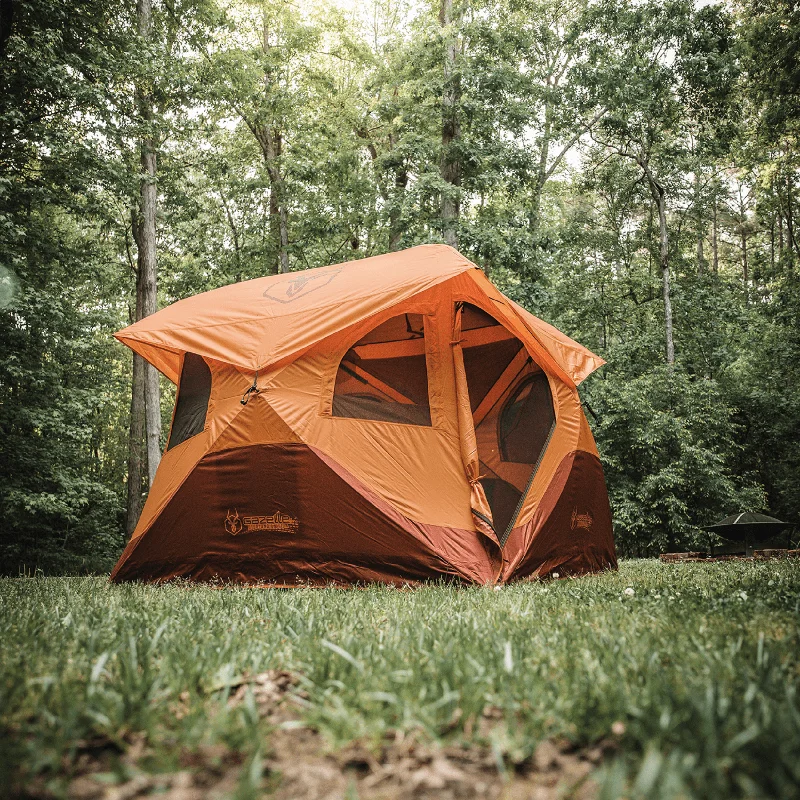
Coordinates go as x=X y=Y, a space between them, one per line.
x=656 y=681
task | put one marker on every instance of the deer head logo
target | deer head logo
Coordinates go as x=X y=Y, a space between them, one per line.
x=233 y=524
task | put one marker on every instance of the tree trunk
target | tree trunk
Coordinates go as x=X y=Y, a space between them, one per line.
x=395 y=216
x=146 y=240
x=790 y=221
x=715 y=240
x=658 y=195
x=272 y=147
x=270 y=140
x=701 y=259
x=135 y=446
x=450 y=165
x=745 y=275
x=237 y=247
x=772 y=245
x=279 y=216
x=534 y=212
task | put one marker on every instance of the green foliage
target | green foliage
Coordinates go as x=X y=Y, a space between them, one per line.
x=61 y=380
x=669 y=437
x=699 y=665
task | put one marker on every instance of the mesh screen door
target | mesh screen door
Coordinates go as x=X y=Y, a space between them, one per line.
x=512 y=409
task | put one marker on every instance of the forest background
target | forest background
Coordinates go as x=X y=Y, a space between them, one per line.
x=628 y=171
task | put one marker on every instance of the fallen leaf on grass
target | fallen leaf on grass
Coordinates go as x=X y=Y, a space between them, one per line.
x=269 y=689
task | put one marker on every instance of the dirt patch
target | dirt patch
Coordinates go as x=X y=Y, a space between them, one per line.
x=300 y=767
x=298 y=764
x=185 y=785
x=406 y=769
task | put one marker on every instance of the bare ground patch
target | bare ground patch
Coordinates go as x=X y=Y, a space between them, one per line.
x=299 y=765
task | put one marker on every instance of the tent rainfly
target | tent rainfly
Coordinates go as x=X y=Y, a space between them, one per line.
x=392 y=419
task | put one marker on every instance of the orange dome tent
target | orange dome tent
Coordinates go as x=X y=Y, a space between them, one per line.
x=390 y=419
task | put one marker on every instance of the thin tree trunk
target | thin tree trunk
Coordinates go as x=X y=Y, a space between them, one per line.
x=146 y=241
x=790 y=221
x=283 y=227
x=272 y=148
x=274 y=231
x=237 y=247
x=278 y=222
x=658 y=195
x=450 y=165
x=395 y=216
x=396 y=230
x=745 y=275
x=270 y=140
x=534 y=212
x=715 y=240
x=772 y=245
x=135 y=446
x=701 y=259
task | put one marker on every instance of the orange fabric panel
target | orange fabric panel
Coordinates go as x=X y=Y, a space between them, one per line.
x=256 y=423
x=463 y=549
x=268 y=321
x=415 y=469
x=164 y=359
x=586 y=440
x=574 y=359
x=578 y=361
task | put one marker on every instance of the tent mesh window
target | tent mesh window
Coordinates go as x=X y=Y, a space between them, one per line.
x=488 y=350
x=194 y=391
x=384 y=376
x=526 y=421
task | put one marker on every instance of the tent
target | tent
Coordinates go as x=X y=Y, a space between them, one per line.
x=392 y=419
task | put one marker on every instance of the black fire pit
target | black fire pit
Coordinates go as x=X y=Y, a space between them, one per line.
x=748 y=529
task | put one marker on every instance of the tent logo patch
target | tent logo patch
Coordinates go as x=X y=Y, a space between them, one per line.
x=284 y=523
x=301 y=284
x=233 y=524
x=583 y=521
